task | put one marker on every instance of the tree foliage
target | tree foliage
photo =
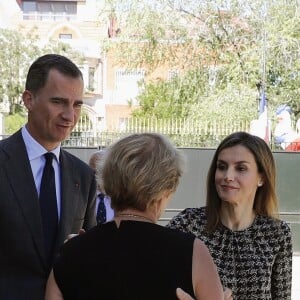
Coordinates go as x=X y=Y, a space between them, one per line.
x=16 y=55
x=13 y=122
x=191 y=96
x=223 y=49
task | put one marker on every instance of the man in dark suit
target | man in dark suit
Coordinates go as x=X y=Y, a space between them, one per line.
x=104 y=212
x=53 y=97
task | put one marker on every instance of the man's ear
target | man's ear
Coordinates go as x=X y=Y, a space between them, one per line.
x=27 y=99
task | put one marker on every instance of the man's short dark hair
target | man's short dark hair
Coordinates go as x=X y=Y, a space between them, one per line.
x=39 y=70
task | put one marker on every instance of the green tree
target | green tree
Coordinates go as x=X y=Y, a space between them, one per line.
x=191 y=97
x=236 y=44
x=13 y=122
x=283 y=64
x=59 y=47
x=16 y=54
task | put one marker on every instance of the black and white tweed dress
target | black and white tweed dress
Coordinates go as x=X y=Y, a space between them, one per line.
x=255 y=263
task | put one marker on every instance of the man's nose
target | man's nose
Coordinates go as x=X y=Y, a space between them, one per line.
x=69 y=113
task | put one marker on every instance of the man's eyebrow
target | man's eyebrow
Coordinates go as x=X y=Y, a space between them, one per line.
x=59 y=98
x=66 y=99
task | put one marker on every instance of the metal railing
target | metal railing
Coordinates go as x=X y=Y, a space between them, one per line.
x=48 y=16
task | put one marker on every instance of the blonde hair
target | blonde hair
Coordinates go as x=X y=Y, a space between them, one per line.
x=137 y=168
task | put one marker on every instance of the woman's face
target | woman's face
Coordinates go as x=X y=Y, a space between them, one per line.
x=237 y=176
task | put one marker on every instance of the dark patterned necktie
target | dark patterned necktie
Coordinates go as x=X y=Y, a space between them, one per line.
x=48 y=206
x=101 y=211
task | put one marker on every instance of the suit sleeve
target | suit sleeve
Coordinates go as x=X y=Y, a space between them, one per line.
x=90 y=216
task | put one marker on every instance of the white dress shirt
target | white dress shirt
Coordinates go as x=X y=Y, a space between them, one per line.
x=37 y=161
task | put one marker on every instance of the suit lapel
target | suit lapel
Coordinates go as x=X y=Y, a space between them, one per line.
x=19 y=174
x=70 y=187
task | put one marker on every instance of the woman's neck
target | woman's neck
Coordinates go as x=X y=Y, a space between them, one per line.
x=235 y=218
x=135 y=215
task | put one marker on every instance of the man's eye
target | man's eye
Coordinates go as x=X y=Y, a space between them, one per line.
x=56 y=101
x=78 y=105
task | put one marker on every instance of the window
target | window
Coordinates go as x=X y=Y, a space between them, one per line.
x=59 y=8
x=123 y=123
x=44 y=7
x=29 y=6
x=65 y=36
x=173 y=74
x=91 y=86
x=128 y=77
x=127 y=83
x=49 y=9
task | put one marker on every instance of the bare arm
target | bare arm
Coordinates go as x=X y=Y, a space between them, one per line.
x=206 y=281
x=52 y=290
x=182 y=295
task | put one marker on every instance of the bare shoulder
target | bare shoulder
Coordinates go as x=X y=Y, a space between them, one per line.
x=206 y=281
x=200 y=249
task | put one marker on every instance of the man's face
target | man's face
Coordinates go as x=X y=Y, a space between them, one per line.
x=54 y=110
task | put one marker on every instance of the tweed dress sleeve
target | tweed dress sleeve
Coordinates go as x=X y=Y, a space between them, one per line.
x=281 y=280
x=190 y=220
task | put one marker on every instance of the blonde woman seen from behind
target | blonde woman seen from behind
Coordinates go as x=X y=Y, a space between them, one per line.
x=132 y=257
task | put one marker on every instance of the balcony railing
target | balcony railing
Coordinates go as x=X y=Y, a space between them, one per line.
x=52 y=17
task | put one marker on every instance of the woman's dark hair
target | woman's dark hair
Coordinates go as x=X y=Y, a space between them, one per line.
x=265 y=202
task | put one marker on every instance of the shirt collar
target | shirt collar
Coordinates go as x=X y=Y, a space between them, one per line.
x=35 y=149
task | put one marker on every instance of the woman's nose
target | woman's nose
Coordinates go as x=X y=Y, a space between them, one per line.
x=229 y=176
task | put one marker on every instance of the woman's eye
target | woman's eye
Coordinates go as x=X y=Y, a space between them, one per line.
x=221 y=167
x=241 y=169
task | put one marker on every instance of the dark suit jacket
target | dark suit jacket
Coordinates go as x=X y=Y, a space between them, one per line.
x=23 y=270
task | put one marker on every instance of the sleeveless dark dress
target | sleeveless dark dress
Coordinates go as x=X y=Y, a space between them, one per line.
x=138 y=260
